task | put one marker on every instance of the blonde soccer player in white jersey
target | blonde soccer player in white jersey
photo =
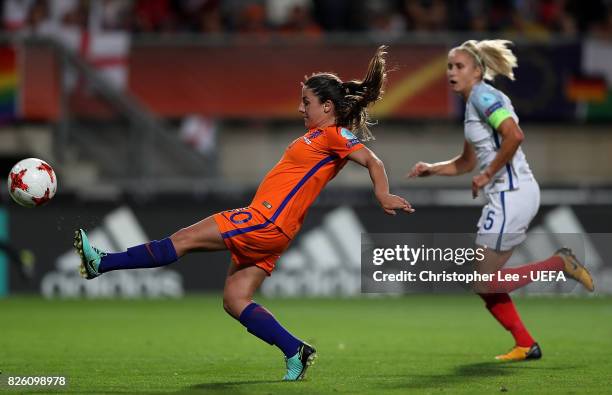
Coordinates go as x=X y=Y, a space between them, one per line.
x=493 y=141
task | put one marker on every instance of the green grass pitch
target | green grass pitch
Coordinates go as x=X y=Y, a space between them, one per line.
x=412 y=344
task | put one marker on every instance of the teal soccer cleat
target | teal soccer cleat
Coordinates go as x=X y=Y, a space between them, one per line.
x=297 y=364
x=90 y=256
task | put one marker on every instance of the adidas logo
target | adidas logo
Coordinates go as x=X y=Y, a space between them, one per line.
x=561 y=228
x=120 y=229
x=325 y=262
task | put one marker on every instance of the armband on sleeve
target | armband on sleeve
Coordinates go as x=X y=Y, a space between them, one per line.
x=498 y=116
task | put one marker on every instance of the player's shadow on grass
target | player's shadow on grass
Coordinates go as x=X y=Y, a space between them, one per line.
x=482 y=369
x=231 y=387
x=463 y=373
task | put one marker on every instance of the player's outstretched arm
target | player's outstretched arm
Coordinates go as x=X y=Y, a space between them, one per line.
x=389 y=202
x=460 y=164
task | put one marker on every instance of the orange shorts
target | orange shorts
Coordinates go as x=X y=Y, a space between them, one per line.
x=251 y=238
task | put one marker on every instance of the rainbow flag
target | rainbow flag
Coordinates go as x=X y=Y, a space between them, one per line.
x=9 y=84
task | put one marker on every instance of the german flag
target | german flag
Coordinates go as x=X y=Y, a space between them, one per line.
x=586 y=89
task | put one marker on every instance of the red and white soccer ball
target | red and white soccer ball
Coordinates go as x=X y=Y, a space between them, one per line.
x=32 y=182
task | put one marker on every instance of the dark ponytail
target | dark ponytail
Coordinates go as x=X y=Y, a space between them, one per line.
x=352 y=98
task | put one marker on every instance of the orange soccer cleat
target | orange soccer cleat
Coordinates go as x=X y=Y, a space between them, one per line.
x=521 y=353
x=574 y=269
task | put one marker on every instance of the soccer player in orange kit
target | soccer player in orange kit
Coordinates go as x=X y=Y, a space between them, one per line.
x=257 y=235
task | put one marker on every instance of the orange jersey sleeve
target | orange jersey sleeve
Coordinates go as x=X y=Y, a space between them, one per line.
x=309 y=163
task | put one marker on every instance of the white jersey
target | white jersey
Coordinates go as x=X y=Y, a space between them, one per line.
x=485 y=110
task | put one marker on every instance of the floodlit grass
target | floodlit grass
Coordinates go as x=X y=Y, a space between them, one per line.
x=413 y=344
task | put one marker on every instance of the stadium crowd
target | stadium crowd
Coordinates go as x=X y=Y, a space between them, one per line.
x=314 y=17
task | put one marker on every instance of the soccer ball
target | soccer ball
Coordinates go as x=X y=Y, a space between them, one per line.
x=32 y=182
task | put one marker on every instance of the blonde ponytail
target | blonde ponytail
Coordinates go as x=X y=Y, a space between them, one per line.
x=492 y=56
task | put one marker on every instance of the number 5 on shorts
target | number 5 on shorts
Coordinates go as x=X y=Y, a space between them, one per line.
x=489 y=220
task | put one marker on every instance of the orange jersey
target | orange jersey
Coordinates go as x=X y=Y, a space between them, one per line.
x=288 y=190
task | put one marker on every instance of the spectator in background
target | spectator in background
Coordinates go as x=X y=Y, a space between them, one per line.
x=200 y=133
x=279 y=11
x=15 y=13
x=39 y=19
x=477 y=16
x=586 y=13
x=252 y=20
x=425 y=15
x=210 y=20
x=602 y=26
x=524 y=20
x=552 y=15
x=232 y=13
x=500 y=15
x=385 y=19
x=312 y=17
x=197 y=15
x=300 y=22
x=153 y=16
x=74 y=13
x=549 y=13
x=113 y=15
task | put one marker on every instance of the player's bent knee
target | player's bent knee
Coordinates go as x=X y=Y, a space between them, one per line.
x=235 y=302
x=233 y=306
x=227 y=307
x=229 y=302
